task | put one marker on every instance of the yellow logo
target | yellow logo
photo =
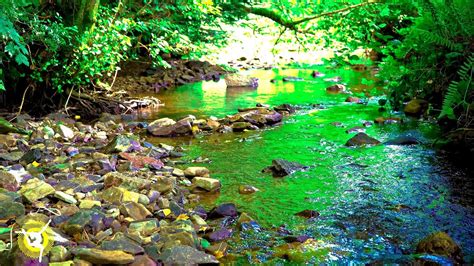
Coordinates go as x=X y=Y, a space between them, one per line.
x=35 y=239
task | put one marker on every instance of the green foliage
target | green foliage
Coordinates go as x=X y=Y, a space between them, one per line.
x=425 y=63
x=459 y=93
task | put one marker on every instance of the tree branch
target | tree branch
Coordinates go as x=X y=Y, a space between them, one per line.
x=296 y=22
x=279 y=18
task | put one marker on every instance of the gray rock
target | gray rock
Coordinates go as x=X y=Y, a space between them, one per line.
x=209 y=184
x=281 y=168
x=196 y=171
x=180 y=254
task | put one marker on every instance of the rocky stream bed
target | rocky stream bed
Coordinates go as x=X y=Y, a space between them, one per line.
x=116 y=191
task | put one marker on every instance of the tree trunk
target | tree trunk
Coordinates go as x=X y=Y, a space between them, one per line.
x=80 y=13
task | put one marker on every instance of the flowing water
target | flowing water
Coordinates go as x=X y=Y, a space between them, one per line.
x=375 y=202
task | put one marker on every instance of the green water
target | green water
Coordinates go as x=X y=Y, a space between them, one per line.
x=393 y=196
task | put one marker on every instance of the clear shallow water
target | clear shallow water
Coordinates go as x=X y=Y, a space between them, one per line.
x=375 y=202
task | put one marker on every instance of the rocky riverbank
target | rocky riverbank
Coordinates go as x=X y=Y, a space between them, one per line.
x=142 y=77
x=109 y=197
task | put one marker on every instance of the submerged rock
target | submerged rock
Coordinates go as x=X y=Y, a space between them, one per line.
x=317 y=74
x=247 y=189
x=285 y=107
x=281 y=168
x=361 y=139
x=352 y=99
x=403 y=140
x=308 y=214
x=338 y=88
x=292 y=79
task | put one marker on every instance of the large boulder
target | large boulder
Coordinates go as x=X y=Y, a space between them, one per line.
x=238 y=80
x=416 y=107
x=361 y=139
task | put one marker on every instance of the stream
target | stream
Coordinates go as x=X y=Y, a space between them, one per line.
x=375 y=203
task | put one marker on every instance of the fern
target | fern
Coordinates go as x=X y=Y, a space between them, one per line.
x=435 y=38
x=458 y=90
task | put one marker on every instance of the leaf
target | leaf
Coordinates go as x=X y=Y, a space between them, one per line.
x=22 y=59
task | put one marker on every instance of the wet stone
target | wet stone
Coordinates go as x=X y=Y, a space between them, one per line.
x=241 y=126
x=403 y=140
x=361 y=139
x=220 y=235
x=440 y=243
x=209 y=184
x=196 y=171
x=224 y=210
x=247 y=189
x=281 y=168
x=308 y=214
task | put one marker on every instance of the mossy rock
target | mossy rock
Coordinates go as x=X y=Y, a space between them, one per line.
x=442 y=244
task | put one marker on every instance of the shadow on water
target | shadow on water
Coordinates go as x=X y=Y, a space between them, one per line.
x=375 y=203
